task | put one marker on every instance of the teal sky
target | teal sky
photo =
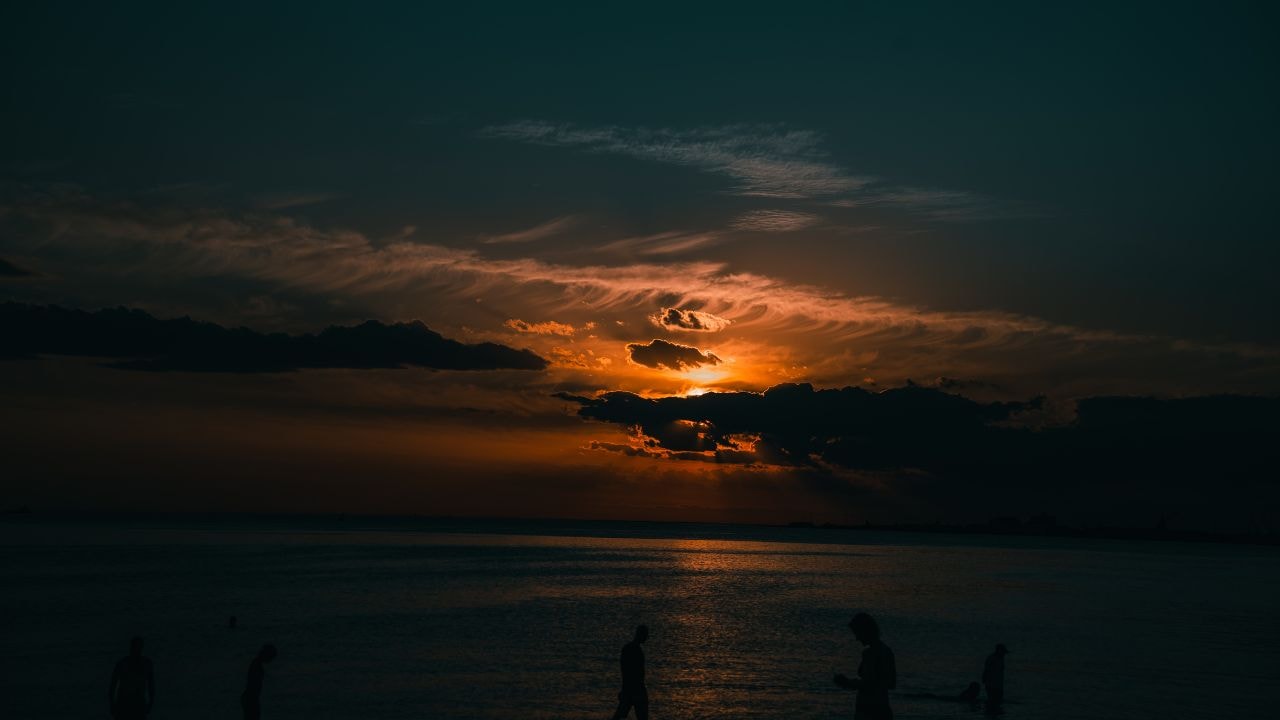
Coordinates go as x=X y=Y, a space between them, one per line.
x=1014 y=199
x=1113 y=164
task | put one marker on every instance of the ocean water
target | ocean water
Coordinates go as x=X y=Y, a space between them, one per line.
x=487 y=620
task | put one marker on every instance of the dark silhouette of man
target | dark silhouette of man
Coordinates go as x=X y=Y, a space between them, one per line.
x=251 y=699
x=133 y=685
x=877 y=673
x=993 y=677
x=634 y=694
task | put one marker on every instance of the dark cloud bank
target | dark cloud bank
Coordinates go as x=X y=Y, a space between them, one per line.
x=9 y=270
x=1113 y=446
x=142 y=342
x=660 y=354
x=680 y=319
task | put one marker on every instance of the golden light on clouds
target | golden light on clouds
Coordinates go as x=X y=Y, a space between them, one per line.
x=705 y=375
x=580 y=312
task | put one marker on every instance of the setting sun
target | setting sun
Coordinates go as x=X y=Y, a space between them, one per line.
x=705 y=375
x=722 y=323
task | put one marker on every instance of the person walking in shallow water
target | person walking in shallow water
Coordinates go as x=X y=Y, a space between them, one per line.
x=993 y=678
x=877 y=674
x=133 y=685
x=634 y=694
x=251 y=699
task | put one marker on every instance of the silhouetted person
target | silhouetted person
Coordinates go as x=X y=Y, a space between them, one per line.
x=133 y=685
x=251 y=700
x=877 y=674
x=232 y=622
x=634 y=694
x=993 y=677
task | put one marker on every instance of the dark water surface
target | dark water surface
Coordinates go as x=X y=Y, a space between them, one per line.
x=463 y=619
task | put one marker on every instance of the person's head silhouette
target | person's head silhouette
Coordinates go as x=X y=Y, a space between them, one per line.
x=1001 y=649
x=135 y=647
x=267 y=653
x=865 y=629
x=642 y=633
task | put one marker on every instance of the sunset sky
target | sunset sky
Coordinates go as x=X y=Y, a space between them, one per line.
x=988 y=218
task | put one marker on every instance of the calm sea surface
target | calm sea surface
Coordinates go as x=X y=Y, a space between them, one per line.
x=391 y=619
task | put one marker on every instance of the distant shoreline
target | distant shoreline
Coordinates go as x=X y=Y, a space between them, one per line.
x=1002 y=527
x=796 y=531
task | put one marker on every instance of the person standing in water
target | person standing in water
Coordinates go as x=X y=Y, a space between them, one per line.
x=634 y=693
x=877 y=674
x=993 y=677
x=133 y=685
x=251 y=700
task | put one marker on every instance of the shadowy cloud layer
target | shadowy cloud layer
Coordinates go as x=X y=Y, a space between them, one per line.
x=688 y=320
x=663 y=354
x=8 y=269
x=794 y=424
x=918 y=429
x=143 y=342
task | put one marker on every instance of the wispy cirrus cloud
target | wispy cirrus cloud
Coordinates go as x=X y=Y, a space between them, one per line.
x=765 y=161
x=537 y=232
x=293 y=255
x=803 y=330
x=941 y=205
x=672 y=242
x=775 y=221
x=284 y=200
x=761 y=160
